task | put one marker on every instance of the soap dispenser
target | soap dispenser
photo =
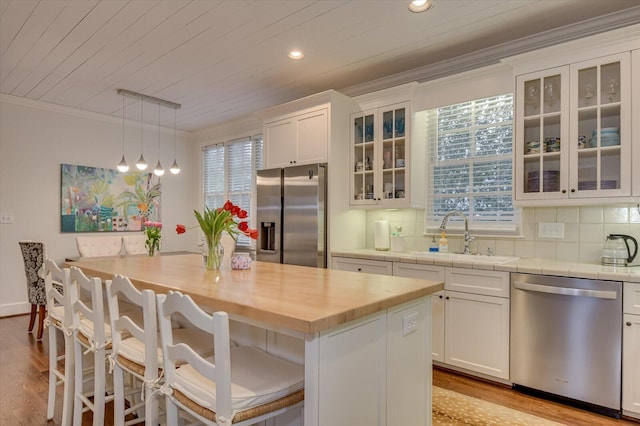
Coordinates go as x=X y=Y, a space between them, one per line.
x=443 y=244
x=433 y=248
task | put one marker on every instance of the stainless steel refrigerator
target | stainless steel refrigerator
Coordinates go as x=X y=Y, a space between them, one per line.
x=292 y=220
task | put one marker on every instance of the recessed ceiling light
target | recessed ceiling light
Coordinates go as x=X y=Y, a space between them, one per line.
x=295 y=55
x=418 y=6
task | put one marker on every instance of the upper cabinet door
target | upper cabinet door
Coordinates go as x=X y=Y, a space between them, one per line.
x=281 y=147
x=313 y=137
x=542 y=132
x=380 y=154
x=600 y=127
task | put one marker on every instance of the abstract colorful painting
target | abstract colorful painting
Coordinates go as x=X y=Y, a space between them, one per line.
x=106 y=200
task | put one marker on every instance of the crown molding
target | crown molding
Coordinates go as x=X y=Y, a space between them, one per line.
x=80 y=113
x=248 y=125
x=495 y=54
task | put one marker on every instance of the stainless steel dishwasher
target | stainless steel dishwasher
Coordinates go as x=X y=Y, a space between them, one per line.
x=566 y=339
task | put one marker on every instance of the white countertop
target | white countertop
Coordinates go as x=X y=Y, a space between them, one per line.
x=524 y=265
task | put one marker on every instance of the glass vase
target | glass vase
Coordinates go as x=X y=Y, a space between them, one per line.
x=152 y=247
x=213 y=256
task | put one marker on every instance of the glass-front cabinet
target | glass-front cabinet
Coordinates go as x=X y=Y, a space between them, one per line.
x=379 y=156
x=572 y=131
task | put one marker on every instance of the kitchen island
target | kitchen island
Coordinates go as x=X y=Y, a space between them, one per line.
x=366 y=338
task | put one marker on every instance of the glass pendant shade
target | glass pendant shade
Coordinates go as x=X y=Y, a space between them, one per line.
x=141 y=164
x=175 y=169
x=158 y=171
x=122 y=165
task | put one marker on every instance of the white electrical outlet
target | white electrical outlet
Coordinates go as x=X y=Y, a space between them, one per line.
x=550 y=230
x=6 y=218
x=409 y=323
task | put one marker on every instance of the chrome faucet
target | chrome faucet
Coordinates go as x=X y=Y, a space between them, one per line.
x=467 y=237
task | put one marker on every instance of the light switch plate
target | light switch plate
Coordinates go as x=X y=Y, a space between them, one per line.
x=6 y=218
x=550 y=230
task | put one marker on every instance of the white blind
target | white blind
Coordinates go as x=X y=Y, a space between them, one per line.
x=229 y=174
x=470 y=163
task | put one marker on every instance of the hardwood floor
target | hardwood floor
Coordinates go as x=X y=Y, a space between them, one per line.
x=505 y=396
x=24 y=383
x=24 y=377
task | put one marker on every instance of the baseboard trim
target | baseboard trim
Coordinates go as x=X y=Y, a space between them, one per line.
x=13 y=309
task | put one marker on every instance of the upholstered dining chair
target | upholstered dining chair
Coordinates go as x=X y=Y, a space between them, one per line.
x=33 y=254
x=59 y=318
x=90 y=246
x=135 y=244
x=241 y=386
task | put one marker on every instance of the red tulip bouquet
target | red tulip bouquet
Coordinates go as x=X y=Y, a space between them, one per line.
x=214 y=222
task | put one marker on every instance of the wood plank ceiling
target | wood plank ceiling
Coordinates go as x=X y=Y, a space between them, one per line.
x=226 y=59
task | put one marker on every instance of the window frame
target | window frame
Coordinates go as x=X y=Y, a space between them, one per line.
x=432 y=220
x=209 y=197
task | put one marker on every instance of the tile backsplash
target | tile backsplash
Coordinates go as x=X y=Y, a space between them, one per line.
x=585 y=230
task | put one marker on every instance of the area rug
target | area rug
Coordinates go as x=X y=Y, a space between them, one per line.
x=453 y=409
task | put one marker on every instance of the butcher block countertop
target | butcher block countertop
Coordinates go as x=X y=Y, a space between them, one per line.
x=299 y=298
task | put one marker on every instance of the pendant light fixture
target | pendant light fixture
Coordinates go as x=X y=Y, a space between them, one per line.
x=141 y=164
x=123 y=166
x=158 y=171
x=175 y=169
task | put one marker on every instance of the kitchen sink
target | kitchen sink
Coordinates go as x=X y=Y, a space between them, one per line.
x=474 y=258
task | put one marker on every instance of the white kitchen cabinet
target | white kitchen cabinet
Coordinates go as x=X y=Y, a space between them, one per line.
x=573 y=132
x=477 y=321
x=380 y=154
x=631 y=350
x=433 y=273
x=297 y=139
x=477 y=333
x=635 y=121
x=309 y=130
x=366 y=266
x=437 y=326
x=470 y=319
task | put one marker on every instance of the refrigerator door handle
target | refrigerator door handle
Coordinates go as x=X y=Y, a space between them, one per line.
x=540 y=288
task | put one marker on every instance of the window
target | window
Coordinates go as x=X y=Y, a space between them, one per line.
x=229 y=170
x=470 y=164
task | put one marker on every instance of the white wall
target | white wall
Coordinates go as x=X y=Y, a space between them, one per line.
x=35 y=138
x=585 y=230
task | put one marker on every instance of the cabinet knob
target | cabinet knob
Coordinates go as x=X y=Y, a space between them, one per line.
x=440 y=296
x=359 y=269
x=447 y=297
x=573 y=190
x=564 y=191
x=628 y=323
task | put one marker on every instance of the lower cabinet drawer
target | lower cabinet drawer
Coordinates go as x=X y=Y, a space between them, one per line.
x=477 y=281
x=379 y=267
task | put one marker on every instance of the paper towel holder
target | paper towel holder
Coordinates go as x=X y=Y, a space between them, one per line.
x=381 y=235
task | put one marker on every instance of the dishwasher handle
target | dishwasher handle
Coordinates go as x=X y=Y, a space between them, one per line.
x=566 y=291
